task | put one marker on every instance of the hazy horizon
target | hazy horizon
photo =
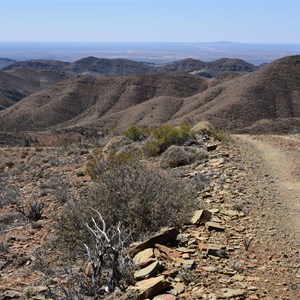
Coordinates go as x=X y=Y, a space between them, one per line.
x=147 y=52
x=153 y=31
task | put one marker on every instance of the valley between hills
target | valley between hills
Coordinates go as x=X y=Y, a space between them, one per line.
x=227 y=131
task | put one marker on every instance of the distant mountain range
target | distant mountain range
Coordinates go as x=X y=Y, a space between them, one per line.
x=238 y=97
x=120 y=67
x=21 y=79
x=5 y=62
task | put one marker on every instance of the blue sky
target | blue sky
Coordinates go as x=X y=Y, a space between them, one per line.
x=262 y=21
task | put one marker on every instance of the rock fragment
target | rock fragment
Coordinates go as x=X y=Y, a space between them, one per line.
x=148 y=288
x=148 y=271
x=214 y=226
x=166 y=235
x=201 y=217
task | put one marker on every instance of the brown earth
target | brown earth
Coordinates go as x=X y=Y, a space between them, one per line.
x=267 y=100
x=271 y=93
x=13 y=88
x=253 y=193
x=85 y=100
x=273 y=163
x=281 y=157
x=5 y=62
x=20 y=83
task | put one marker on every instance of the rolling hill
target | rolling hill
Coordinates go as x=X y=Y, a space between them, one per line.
x=121 y=67
x=41 y=78
x=13 y=89
x=209 y=69
x=20 y=83
x=269 y=97
x=39 y=64
x=84 y=100
x=5 y=62
x=265 y=100
x=109 y=67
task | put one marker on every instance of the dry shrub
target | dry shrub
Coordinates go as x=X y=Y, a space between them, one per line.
x=92 y=161
x=8 y=196
x=136 y=133
x=221 y=136
x=202 y=127
x=164 y=136
x=127 y=191
x=33 y=212
x=167 y=135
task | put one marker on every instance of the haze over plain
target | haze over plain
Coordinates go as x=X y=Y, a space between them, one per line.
x=143 y=30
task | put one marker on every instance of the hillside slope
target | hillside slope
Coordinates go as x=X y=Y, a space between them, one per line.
x=5 y=62
x=13 y=89
x=109 y=67
x=268 y=96
x=87 y=99
x=267 y=100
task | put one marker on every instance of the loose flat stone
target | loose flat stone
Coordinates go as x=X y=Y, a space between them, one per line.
x=217 y=253
x=201 y=217
x=149 y=288
x=252 y=278
x=216 y=246
x=239 y=228
x=171 y=254
x=215 y=219
x=149 y=271
x=185 y=263
x=185 y=256
x=165 y=297
x=185 y=250
x=238 y=277
x=230 y=213
x=214 y=226
x=164 y=236
x=144 y=256
x=211 y=269
x=231 y=293
x=179 y=287
x=214 y=210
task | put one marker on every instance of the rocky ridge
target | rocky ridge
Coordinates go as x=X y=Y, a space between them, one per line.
x=231 y=248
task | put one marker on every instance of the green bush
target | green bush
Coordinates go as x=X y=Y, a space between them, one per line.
x=92 y=160
x=220 y=135
x=136 y=133
x=167 y=135
x=127 y=191
x=151 y=148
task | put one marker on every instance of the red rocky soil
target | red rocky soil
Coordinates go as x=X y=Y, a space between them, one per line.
x=253 y=198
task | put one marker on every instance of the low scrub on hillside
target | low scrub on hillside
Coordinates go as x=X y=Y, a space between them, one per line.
x=160 y=138
x=136 y=133
x=220 y=135
x=126 y=190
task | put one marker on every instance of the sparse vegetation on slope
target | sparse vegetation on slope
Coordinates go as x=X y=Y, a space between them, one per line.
x=125 y=190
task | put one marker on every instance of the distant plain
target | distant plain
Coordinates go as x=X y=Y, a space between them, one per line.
x=147 y=52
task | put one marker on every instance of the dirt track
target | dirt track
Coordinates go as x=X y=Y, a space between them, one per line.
x=281 y=157
x=273 y=166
